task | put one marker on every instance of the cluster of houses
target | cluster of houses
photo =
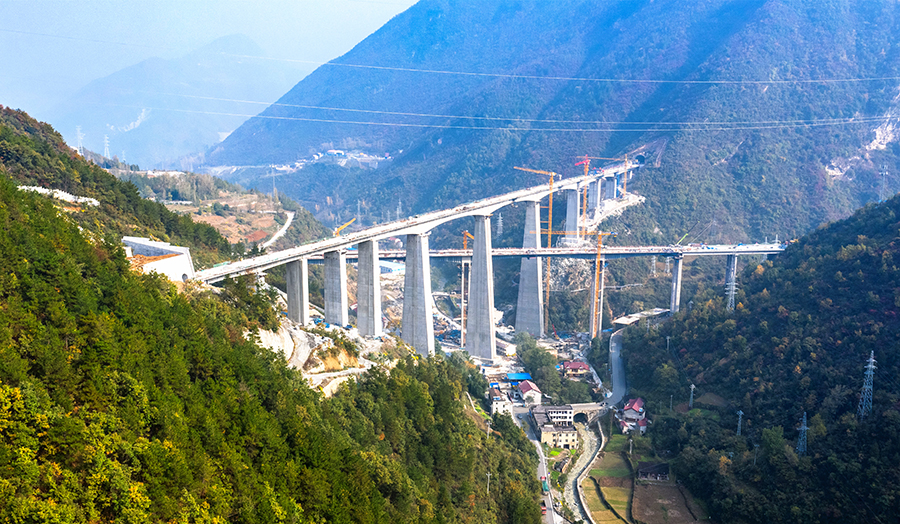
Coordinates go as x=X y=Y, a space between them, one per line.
x=633 y=417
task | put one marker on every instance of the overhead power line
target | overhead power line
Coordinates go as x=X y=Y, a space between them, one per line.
x=575 y=78
x=649 y=127
x=531 y=120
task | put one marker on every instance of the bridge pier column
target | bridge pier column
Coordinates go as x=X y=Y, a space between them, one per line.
x=417 y=329
x=297 y=278
x=676 y=285
x=368 y=293
x=336 y=288
x=530 y=305
x=481 y=341
x=573 y=212
x=593 y=195
x=612 y=184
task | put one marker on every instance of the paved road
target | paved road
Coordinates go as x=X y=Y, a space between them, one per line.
x=521 y=417
x=618 y=368
x=281 y=232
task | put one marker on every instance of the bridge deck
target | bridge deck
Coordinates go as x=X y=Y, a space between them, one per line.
x=418 y=224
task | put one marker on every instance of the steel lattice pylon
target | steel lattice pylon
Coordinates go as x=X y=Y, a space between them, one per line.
x=865 y=399
x=801 y=442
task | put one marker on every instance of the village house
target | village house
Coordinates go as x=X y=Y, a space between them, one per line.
x=555 y=425
x=529 y=392
x=575 y=369
x=633 y=416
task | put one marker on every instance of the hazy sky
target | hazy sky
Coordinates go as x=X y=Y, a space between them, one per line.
x=51 y=48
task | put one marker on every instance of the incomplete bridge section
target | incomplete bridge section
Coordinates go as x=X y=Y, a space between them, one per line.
x=417 y=325
x=417 y=328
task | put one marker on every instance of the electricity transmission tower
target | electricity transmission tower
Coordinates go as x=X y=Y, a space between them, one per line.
x=731 y=289
x=865 y=399
x=399 y=209
x=499 y=224
x=801 y=442
x=691 y=403
x=653 y=266
x=80 y=137
x=106 y=146
x=884 y=172
x=740 y=415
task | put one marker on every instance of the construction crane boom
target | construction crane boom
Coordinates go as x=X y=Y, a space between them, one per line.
x=552 y=176
x=337 y=232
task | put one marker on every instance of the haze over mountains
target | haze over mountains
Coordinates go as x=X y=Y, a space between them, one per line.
x=744 y=99
x=160 y=110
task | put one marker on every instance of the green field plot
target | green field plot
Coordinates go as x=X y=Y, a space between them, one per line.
x=612 y=465
x=599 y=511
x=617 y=498
x=616 y=443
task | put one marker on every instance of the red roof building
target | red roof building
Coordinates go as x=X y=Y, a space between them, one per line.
x=574 y=368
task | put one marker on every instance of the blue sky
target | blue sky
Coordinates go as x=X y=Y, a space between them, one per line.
x=51 y=48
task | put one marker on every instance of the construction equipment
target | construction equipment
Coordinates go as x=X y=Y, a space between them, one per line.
x=587 y=164
x=596 y=315
x=466 y=237
x=552 y=175
x=462 y=291
x=337 y=232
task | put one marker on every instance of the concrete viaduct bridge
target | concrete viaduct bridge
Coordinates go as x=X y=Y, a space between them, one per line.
x=417 y=327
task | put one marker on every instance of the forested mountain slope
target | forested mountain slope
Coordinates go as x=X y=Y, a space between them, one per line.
x=33 y=154
x=122 y=400
x=737 y=94
x=798 y=341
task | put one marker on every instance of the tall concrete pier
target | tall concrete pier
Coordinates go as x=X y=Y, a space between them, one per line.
x=593 y=200
x=368 y=292
x=573 y=212
x=480 y=338
x=611 y=184
x=417 y=329
x=297 y=280
x=530 y=305
x=596 y=325
x=336 y=288
x=676 y=284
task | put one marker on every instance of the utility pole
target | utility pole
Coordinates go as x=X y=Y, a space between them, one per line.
x=691 y=403
x=740 y=415
x=801 y=442
x=865 y=399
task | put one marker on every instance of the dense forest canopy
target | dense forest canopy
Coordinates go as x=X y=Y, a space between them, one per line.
x=33 y=154
x=124 y=400
x=797 y=342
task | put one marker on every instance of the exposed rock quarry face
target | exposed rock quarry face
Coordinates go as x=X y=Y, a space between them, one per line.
x=295 y=344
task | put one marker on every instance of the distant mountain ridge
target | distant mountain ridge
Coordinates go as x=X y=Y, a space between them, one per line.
x=159 y=110
x=731 y=85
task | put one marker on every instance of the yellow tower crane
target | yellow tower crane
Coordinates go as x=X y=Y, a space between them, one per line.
x=595 y=310
x=337 y=232
x=552 y=176
x=462 y=291
x=587 y=164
